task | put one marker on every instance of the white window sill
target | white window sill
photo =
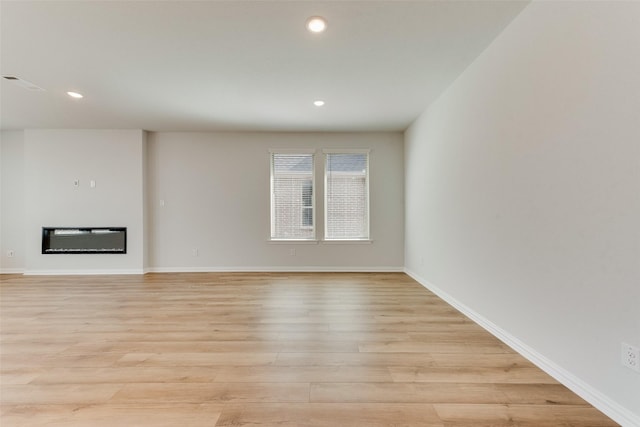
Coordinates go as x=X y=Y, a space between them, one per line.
x=292 y=242
x=347 y=242
x=323 y=242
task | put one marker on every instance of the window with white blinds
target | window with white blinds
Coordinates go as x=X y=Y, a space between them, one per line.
x=292 y=196
x=346 y=196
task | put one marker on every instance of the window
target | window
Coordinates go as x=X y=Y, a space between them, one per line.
x=292 y=196
x=347 y=195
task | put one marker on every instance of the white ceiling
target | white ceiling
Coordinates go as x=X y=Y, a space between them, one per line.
x=237 y=65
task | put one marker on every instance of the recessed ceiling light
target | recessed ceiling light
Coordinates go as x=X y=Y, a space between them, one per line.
x=318 y=103
x=75 y=95
x=316 y=24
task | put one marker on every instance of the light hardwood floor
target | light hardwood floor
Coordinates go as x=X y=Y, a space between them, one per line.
x=260 y=349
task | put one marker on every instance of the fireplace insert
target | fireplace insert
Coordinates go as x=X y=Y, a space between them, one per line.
x=84 y=240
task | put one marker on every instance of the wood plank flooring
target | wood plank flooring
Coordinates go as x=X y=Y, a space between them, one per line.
x=260 y=349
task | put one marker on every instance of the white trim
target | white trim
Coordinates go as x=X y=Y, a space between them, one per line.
x=615 y=411
x=283 y=269
x=12 y=271
x=346 y=151
x=292 y=150
x=263 y=269
x=347 y=242
x=292 y=242
x=81 y=272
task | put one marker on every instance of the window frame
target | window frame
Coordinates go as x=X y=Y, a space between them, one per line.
x=364 y=239
x=272 y=216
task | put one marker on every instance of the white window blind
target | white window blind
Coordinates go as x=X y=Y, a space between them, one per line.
x=347 y=196
x=292 y=196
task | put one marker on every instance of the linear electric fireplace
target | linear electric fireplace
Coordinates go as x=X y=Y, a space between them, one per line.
x=85 y=240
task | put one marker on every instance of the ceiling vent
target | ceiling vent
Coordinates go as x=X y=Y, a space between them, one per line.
x=23 y=83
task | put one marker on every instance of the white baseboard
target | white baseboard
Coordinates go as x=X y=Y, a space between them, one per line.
x=267 y=269
x=12 y=271
x=602 y=402
x=88 y=272
x=207 y=270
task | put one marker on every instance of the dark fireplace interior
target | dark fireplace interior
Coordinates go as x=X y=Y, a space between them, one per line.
x=84 y=240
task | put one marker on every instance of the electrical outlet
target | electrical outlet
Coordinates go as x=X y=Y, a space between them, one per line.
x=195 y=251
x=11 y=253
x=631 y=356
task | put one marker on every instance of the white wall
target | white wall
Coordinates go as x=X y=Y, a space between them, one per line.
x=12 y=201
x=523 y=193
x=114 y=159
x=215 y=188
x=216 y=192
